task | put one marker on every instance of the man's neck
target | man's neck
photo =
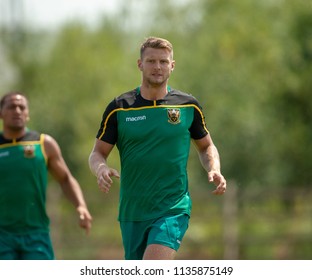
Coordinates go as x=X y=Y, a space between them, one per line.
x=153 y=92
x=9 y=134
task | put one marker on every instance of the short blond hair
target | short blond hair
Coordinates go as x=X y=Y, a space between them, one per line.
x=156 y=43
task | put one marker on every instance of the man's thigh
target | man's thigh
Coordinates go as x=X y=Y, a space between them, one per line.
x=169 y=231
x=166 y=231
x=37 y=246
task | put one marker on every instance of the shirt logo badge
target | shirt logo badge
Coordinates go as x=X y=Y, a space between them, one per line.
x=174 y=115
x=29 y=151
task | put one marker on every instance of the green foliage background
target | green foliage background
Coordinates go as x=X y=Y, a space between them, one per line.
x=249 y=63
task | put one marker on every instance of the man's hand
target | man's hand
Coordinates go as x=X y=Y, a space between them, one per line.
x=103 y=175
x=85 y=219
x=219 y=181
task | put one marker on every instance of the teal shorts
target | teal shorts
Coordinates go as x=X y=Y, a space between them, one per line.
x=34 y=246
x=167 y=231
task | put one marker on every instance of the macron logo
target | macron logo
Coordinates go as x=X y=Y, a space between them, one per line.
x=4 y=154
x=136 y=119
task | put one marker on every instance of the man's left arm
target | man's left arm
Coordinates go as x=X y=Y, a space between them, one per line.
x=210 y=160
x=70 y=186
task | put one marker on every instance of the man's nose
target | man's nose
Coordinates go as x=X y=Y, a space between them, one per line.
x=18 y=109
x=157 y=65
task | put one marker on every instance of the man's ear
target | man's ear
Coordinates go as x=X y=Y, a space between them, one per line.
x=172 y=65
x=140 y=64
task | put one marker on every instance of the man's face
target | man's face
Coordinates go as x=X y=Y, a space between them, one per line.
x=14 y=113
x=156 y=66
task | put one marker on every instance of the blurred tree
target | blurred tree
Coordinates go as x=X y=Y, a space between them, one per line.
x=295 y=105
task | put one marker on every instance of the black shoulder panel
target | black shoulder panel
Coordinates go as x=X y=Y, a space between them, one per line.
x=30 y=135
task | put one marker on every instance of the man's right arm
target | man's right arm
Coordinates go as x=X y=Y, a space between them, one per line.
x=98 y=165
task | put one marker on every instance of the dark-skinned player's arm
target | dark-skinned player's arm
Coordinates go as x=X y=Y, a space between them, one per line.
x=70 y=186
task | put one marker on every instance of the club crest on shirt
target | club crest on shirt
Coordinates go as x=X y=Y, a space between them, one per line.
x=174 y=115
x=29 y=151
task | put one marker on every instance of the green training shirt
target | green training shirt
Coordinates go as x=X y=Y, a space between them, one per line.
x=153 y=139
x=23 y=182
